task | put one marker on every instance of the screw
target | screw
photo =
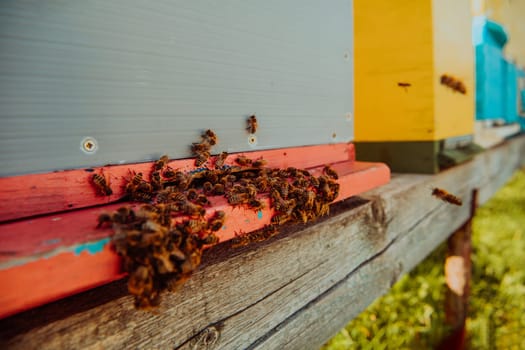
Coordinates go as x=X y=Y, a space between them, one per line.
x=89 y=145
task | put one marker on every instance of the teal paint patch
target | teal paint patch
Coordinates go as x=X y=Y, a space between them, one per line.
x=91 y=247
x=260 y=214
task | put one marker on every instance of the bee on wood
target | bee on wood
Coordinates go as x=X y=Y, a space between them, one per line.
x=218 y=189
x=161 y=163
x=101 y=185
x=261 y=183
x=194 y=226
x=280 y=219
x=192 y=210
x=156 y=181
x=243 y=161
x=201 y=158
x=202 y=200
x=192 y=194
x=219 y=160
x=445 y=196
x=207 y=187
x=252 y=124
x=256 y=204
x=238 y=198
x=169 y=173
x=217 y=221
x=331 y=173
x=259 y=163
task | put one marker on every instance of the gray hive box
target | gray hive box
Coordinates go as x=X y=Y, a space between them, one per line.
x=146 y=78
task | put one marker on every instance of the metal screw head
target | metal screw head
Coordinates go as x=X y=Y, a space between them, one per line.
x=252 y=140
x=89 y=145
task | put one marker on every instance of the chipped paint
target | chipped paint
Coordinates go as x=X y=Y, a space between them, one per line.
x=51 y=241
x=91 y=247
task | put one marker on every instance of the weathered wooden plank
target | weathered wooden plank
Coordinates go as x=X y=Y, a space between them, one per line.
x=292 y=292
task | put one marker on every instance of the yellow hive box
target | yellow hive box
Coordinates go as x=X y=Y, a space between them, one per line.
x=402 y=49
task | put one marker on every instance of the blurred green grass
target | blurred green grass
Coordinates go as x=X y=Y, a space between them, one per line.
x=411 y=315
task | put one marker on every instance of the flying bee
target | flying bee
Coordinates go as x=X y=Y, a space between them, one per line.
x=445 y=196
x=331 y=173
x=243 y=161
x=219 y=160
x=217 y=221
x=101 y=184
x=252 y=124
x=161 y=163
x=259 y=163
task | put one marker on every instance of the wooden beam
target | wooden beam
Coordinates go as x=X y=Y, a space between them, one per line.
x=294 y=291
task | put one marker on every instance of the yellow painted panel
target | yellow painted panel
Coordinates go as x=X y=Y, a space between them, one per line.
x=393 y=44
x=453 y=55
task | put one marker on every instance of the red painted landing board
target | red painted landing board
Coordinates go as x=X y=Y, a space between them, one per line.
x=37 y=194
x=64 y=254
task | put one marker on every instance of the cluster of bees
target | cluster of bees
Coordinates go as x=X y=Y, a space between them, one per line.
x=453 y=83
x=162 y=241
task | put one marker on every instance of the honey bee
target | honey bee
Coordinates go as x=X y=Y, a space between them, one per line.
x=403 y=85
x=169 y=173
x=101 y=185
x=219 y=160
x=217 y=221
x=259 y=163
x=280 y=219
x=207 y=187
x=192 y=194
x=192 y=210
x=201 y=158
x=445 y=196
x=243 y=161
x=210 y=136
x=195 y=226
x=104 y=218
x=202 y=200
x=256 y=204
x=218 y=189
x=331 y=173
x=156 y=181
x=161 y=163
x=252 y=124
x=237 y=198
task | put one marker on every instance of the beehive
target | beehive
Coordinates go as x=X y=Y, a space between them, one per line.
x=403 y=114
x=98 y=90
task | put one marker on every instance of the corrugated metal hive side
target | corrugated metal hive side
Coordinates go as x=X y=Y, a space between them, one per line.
x=145 y=79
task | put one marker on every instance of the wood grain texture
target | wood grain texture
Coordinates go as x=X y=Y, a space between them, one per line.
x=292 y=292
